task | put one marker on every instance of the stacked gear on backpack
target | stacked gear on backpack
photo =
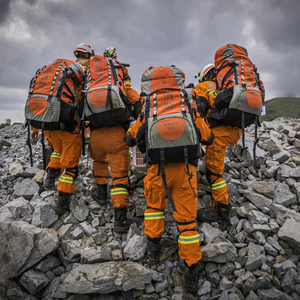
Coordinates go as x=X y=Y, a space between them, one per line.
x=53 y=99
x=52 y=102
x=169 y=133
x=106 y=104
x=240 y=101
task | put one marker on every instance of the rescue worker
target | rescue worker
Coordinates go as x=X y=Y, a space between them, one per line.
x=66 y=155
x=183 y=190
x=215 y=154
x=107 y=146
x=83 y=53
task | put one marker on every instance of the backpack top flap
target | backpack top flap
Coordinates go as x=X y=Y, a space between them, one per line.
x=230 y=52
x=162 y=77
x=103 y=71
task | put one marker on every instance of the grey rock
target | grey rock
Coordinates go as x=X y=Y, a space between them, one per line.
x=288 y=172
x=64 y=231
x=31 y=171
x=272 y=294
x=288 y=283
x=252 y=296
x=136 y=247
x=34 y=281
x=16 y=294
x=43 y=215
x=27 y=189
x=272 y=145
x=225 y=284
x=161 y=286
x=97 y=254
x=244 y=210
x=290 y=232
x=88 y=228
x=256 y=257
x=283 y=267
x=24 y=246
x=271 y=250
x=259 y=236
x=4 y=142
x=296 y=189
x=282 y=156
x=257 y=217
x=47 y=264
x=283 y=196
x=275 y=244
x=106 y=278
x=77 y=233
x=79 y=210
x=282 y=213
x=220 y=252
x=19 y=208
x=258 y=200
x=210 y=232
x=265 y=188
x=73 y=248
x=205 y=288
x=16 y=169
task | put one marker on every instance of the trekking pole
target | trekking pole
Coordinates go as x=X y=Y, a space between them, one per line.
x=256 y=140
x=43 y=146
x=28 y=143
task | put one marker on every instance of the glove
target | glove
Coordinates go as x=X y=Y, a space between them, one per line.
x=202 y=106
x=34 y=135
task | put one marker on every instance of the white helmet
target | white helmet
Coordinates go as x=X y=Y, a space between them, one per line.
x=204 y=71
x=85 y=48
x=110 y=52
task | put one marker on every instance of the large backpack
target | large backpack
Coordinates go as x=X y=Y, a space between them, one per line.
x=169 y=114
x=240 y=101
x=106 y=104
x=52 y=102
x=52 y=99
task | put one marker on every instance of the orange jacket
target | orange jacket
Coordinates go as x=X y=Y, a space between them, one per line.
x=83 y=61
x=204 y=89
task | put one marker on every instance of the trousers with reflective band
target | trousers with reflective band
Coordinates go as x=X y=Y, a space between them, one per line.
x=185 y=202
x=107 y=146
x=67 y=151
x=214 y=159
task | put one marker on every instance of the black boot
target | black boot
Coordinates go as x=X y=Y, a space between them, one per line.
x=62 y=203
x=50 y=179
x=191 y=277
x=220 y=213
x=121 y=223
x=99 y=193
x=153 y=250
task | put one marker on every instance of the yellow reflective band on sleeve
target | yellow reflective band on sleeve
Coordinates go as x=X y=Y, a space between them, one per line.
x=154 y=216
x=218 y=185
x=118 y=191
x=66 y=179
x=55 y=154
x=127 y=83
x=189 y=239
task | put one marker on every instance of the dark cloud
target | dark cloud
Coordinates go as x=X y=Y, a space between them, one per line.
x=185 y=33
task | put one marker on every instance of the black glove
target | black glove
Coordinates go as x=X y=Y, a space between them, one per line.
x=202 y=106
x=129 y=140
x=191 y=85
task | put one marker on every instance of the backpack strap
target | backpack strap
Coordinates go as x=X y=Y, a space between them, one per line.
x=33 y=80
x=147 y=112
x=43 y=146
x=163 y=175
x=54 y=80
x=256 y=139
x=183 y=99
x=243 y=133
x=28 y=142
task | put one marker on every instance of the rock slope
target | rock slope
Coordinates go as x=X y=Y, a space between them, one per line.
x=77 y=256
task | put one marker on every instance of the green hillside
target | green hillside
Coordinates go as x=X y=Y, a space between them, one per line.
x=288 y=107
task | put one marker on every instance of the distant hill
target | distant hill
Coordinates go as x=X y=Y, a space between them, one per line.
x=288 y=107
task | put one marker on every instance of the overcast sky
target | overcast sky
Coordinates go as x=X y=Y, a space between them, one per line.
x=185 y=33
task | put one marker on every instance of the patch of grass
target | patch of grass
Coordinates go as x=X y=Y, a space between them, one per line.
x=288 y=107
x=3 y=125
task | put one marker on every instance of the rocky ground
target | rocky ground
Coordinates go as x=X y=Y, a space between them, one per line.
x=77 y=256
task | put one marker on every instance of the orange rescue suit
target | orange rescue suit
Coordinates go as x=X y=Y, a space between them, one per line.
x=107 y=146
x=215 y=154
x=183 y=193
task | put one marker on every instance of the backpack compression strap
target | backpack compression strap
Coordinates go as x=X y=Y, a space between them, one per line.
x=163 y=175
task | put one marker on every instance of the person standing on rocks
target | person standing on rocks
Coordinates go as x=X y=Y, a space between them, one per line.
x=215 y=154
x=61 y=82
x=169 y=133
x=115 y=101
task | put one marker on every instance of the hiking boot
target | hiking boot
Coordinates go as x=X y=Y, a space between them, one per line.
x=121 y=223
x=49 y=182
x=99 y=193
x=191 y=277
x=220 y=212
x=153 y=250
x=62 y=203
